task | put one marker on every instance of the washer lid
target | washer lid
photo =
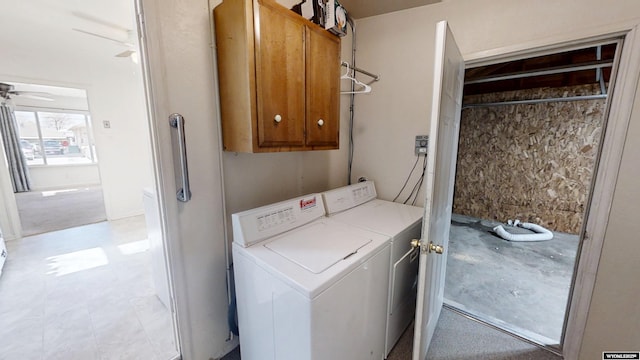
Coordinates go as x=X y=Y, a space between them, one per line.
x=318 y=247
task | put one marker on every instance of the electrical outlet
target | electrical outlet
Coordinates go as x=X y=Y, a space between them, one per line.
x=422 y=144
x=106 y=124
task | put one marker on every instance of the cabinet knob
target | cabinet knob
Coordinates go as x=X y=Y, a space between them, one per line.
x=320 y=122
x=277 y=118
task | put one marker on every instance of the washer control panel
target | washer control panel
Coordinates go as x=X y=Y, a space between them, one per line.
x=277 y=217
x=257 y=224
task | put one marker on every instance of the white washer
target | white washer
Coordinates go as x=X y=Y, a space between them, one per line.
x=358 y=205
x=308 y=287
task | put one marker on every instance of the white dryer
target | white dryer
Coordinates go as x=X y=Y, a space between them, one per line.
x=308 y=287
x=358 y=205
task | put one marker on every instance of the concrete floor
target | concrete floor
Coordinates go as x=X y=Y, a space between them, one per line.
x=522 y=287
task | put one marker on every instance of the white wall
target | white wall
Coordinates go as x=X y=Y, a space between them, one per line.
x=9 y=219
x=61 y=176
x=115 y=93
x=399 y=46
x=123 y=150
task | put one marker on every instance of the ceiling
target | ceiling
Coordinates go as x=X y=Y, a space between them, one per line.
x=104 y=28
x=45 y=28
x=365 y=8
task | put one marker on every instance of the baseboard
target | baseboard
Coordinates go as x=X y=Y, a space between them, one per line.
x=68 y=186
x=125 y=215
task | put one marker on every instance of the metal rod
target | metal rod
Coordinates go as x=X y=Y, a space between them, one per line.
x=549 y=71
x=537 y=101
x=374 y=76
x=176 y=121
x=599 y=74
x=598 y=57
x=603 y=88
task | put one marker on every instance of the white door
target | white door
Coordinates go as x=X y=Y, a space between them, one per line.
x=180 y=78
x=441 y=166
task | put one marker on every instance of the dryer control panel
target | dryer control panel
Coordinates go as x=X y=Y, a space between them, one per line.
x=252 y=226
x=347 y=197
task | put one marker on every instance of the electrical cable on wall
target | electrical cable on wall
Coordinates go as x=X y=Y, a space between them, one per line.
x=416 y=188
x=408 y=178
x=352 y=98
x=419 y=186
x=351 y=74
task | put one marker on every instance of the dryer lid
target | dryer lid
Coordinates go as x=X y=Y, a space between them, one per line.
x=319 y=246
x=387 y=217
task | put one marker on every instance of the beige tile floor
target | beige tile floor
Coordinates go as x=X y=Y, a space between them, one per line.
x=83 y=293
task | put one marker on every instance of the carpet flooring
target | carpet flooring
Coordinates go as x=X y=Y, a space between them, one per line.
x=45 y=211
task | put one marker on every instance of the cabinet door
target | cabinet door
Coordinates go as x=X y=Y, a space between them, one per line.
x=323 y=88
x=280 y=79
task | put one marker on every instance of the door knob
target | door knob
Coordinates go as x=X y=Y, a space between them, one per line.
x=320 y=122
x=438 y=249
x=277 y=118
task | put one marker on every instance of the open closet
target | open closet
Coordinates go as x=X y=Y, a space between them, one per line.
x=530 y=137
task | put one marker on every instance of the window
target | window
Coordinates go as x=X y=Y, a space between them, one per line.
x=56 y=137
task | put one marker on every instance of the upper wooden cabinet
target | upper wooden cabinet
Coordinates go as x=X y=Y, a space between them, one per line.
x=279 y=79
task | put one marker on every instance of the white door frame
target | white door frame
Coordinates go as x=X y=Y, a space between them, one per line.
x=619 y=107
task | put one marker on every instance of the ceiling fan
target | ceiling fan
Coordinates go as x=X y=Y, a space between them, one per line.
x=7 y=91
x=131 y=52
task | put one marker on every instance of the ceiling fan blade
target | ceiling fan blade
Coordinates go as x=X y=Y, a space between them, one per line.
x=126 y=53
x=5 y=88
x=32 y=95
x=125 y=43
x=97 y=20
x=37 y=97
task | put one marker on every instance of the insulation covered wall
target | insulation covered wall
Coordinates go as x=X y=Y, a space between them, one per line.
x=531 y=162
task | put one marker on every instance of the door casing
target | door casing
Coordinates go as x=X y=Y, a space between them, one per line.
x=617 y=119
